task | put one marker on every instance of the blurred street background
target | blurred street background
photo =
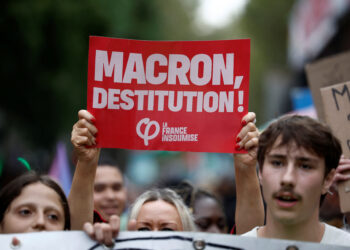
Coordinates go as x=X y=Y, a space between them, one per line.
x=44 y=56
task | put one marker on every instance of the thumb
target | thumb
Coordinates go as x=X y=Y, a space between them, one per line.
x=114 y=222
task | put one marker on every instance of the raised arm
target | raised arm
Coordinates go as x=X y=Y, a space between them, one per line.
x=81 y=194
x=249 y=203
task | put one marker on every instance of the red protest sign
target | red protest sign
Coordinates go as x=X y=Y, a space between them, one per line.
x=162 y=95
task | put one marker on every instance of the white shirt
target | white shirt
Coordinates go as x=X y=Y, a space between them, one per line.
x=332 y=235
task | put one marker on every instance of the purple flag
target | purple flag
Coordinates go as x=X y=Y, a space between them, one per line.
x=60 y=170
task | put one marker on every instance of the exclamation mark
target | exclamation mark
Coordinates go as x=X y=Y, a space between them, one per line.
x=240 y=101
x=237 y=85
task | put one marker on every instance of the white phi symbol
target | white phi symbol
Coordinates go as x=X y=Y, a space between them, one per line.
x=145 y=136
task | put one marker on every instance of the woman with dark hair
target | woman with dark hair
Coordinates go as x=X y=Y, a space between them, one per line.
x=33 y=203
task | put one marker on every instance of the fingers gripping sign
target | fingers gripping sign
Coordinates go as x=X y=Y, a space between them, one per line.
x=342 y=173
x=248 y=139
x=104 y=233
x=84 y=136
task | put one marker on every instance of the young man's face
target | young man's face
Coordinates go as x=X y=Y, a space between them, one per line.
x=293 y=180
x=109 y=192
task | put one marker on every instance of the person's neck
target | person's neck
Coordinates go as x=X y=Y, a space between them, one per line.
x=310 y=230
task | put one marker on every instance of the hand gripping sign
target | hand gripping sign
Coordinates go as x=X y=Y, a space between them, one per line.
x=176 y=96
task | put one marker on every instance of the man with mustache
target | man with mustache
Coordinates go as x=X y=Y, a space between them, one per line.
x=297 y=159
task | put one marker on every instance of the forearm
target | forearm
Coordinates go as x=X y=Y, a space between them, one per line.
x=249 y=203
x=81 y=195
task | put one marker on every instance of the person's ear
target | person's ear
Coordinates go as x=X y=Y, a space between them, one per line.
x=328 y=181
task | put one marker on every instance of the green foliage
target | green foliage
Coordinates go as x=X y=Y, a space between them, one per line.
x=266 y=22
x=45 y=49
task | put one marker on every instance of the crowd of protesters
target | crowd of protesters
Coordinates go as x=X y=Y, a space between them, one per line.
x=299 y=161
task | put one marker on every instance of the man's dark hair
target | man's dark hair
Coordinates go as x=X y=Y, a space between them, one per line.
x=106 y=160
x=190 y=194
x=306 y=133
